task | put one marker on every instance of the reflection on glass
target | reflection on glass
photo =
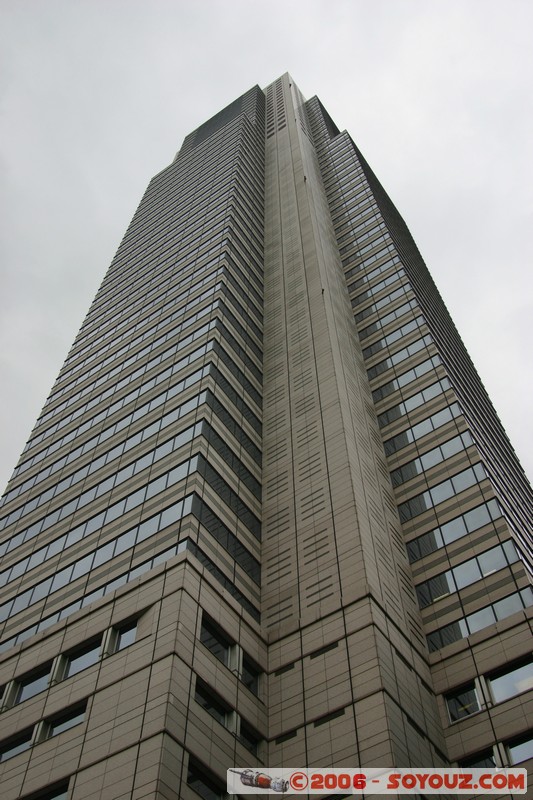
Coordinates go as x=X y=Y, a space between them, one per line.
x=521 y=751
x=481 y=619
x=82 y=659
x=507 y=606
x=462 y=704
x=28 y=687
x=16 y=746
x=66 y=722
x=466 y=573
x=126 y=635
x=214 y=639
x=514 y=682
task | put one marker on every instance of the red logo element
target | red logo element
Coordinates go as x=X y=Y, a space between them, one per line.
x=298 y=781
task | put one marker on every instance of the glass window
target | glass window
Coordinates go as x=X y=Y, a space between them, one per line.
x=526 y=596
x=433 y=589
x=56 y=794
x=430 y=459
x=466 y=573
x=492 y=560
x=249 y=737
x=422 y=428
x=170 y=515
x=479 y=760
x=452 y=447
x=481 y=619
x=430 y=542
x=507 y=606
x=212 y=703
x=521 y=751
x=135 y=499
x=510 y=551
x=41 y=590
x=114 y=511
x=462 y=703
x=82 y=658
x=126 y=635
x=38 y=557
x=442 y=492
x=479 y=472
x=82 y=567
x=125 y=542
x=61 y=578
x=250 y=675
x=453 y=530
x=17 y=744
x=477 y=518
x=33 y=684
x=66 y=721
x=105 y=486
x=103 y=554
x=147 y=528
x=95 y=523
x=463 y=480
x=512 y=682
x=178 y=473
x=412 y=508
x=73 y=537
x=143 y=462
x=199 y=779
x=125 y=473
x=215 y=639
x=59 y=793
x=453 y=632
x=413 y=550
x=156 y=486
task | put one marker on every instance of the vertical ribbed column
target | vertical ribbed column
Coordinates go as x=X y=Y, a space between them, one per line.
x=335 y=591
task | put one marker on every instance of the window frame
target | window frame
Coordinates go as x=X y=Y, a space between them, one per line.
x=198 y=772
x=213 y=703
x=220 y=636
x=26 y=680
x=79 y=651
x=66 y=715
x=505 y=672
x=22 y=737
x=456 y=694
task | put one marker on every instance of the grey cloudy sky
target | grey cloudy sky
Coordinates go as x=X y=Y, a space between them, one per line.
x=97 y=95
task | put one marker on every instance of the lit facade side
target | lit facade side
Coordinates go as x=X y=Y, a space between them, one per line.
x=268 y=515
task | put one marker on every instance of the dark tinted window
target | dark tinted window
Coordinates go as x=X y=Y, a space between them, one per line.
x=66 y=720
x=212 y=703
x=33 y=684
x=15 y=745
x=462 y=703
x=250 y=674
x=215 y=639
x=81 y=659
x=203 y=783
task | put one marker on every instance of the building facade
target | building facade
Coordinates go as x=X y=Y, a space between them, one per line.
x=268 y=516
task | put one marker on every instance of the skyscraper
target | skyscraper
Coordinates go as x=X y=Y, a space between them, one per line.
x=268 y=515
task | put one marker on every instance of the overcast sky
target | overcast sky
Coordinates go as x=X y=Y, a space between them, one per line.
x=97 y=95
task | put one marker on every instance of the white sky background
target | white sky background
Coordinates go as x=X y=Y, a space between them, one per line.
x=97 y=95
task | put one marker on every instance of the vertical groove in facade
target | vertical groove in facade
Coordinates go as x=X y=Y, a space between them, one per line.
x=268 y=516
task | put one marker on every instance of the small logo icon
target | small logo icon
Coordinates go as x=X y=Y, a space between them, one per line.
x=259 y=780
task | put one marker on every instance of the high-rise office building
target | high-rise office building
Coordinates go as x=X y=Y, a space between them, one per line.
x=268 y=516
